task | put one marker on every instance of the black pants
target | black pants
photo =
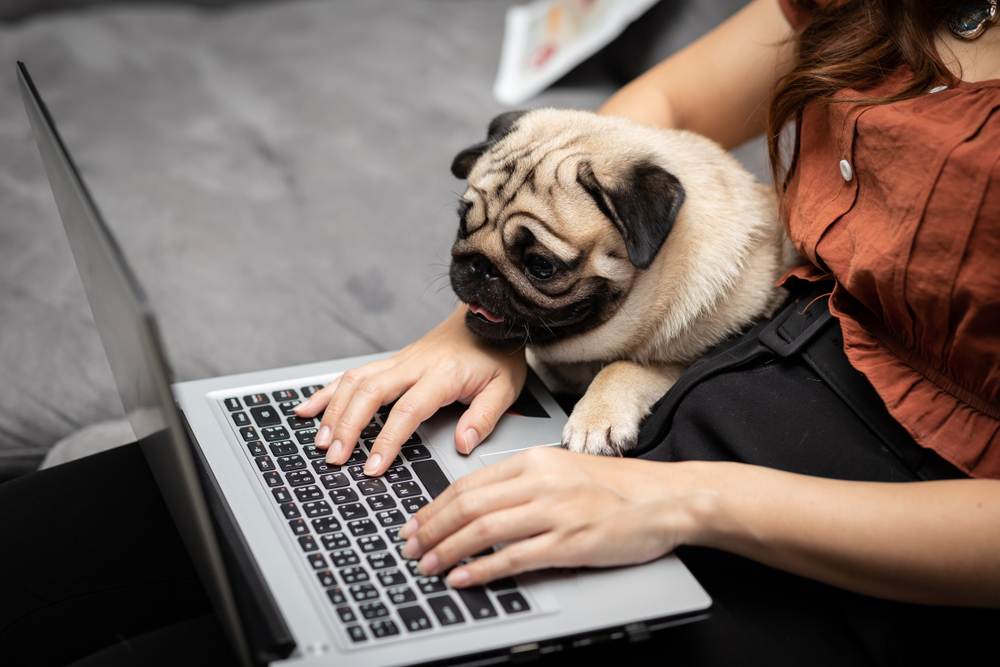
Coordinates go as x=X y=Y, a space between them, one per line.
x=93 y=565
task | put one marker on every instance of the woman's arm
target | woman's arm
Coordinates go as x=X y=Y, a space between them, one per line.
x=928 y=542
x=720 y=85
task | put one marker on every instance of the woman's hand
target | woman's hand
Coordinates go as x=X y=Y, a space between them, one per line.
x=448 y=364
x=564 y=509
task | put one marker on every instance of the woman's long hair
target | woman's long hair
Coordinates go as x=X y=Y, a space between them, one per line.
x=855 y=44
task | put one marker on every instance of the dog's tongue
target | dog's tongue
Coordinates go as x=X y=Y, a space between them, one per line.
x=479 y=310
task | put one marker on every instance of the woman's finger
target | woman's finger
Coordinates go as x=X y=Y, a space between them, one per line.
x=483 y=413
x=534 y=553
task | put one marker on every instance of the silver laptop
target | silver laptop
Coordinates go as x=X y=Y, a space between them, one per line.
x=302 y=559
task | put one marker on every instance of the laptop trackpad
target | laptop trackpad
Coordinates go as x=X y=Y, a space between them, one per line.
x=496 y=457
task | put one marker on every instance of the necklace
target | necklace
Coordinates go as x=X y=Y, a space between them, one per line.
x=969 y=21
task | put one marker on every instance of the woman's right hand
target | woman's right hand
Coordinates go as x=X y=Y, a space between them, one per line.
x=448 y=364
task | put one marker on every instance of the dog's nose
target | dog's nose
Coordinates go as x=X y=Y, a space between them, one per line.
x=483 y=267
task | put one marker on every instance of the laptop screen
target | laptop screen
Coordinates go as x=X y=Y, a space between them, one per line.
x=128 y=331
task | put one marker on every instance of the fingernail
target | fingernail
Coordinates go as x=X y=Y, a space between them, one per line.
x=302 y=405
x=459 y=577
x=323 y=437
x=408 y=528
x=412 y=548
x=471 y=440
x=333 y=453
x=371 y=466
x=428 y=564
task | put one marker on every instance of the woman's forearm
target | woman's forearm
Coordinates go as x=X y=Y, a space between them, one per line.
x=925 y=542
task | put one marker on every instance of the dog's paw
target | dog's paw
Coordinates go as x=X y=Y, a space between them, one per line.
x=602 y=428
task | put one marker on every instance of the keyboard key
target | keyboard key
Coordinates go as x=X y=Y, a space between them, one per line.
x=233 y=404
x=336 y=595
x=306 y=436
x=241 y=419
x=370 y=431
x=401 y=595
x=334 y=480
x=249 y=433
x=391 y=578
x=397 y=474
x=335 y=541
x=384 y=628
x=477 y=602
x=372 y=610
x=290 y=511
x=356 y=634
x=284 y=395
x=413 y=505
x=310 y=390
x=308 y=493
x=264 y=463
x=381 y=560
x=272 y=433
x=288 y=407
x=393 y=535
x=406 y=489
x=371 y=486
x=321 y=466
x=370 y=544
x=317 y=561
x=300 y=478
x=299 y=527
x=266 y=416
x=362 y=592
x=256 y=448
x=415 y=453
x=312 y=453
x=344 y=495
x=414 y=619
x=354 y=575
x=431 y=475
x=352 y=511
x=513 y=603
x=325 y=525
x=256 y=399
x=391 y=518
x=346 y=614
x=362 y=527
x=428 y=585
x=446 y=610
x=357 y=473
x=282 y=495
x=283 y=448
x=272 y=479
x=357 y=457
x=344 y=557
x=318 y=508
x=411 y=565
x=505 y=584
x=326 y=578
x=308 y=543
x=298 y=423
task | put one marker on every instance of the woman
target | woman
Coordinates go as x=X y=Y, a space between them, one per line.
x=892 y=192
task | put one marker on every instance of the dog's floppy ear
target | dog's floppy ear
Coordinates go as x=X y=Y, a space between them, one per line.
x=642 y=203
x=499 y=128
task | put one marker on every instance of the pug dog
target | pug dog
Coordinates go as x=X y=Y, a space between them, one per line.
x=617 y=253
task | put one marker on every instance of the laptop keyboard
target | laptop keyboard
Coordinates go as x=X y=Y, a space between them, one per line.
x=346 y=525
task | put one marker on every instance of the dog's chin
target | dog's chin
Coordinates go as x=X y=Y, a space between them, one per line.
x=495 y=327
x=503 y=328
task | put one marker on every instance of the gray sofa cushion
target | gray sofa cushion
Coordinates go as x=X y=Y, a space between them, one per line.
x=277 y=174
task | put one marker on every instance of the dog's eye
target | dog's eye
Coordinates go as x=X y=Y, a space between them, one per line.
x=539 y=267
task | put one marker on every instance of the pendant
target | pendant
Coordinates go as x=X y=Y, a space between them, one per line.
x=971 y=20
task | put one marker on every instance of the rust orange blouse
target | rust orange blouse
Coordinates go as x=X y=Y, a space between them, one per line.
x=900 y=204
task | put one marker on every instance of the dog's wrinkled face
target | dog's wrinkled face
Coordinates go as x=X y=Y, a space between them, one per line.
x=558 y=218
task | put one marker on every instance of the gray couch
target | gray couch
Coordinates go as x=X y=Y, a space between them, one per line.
x=276 y=172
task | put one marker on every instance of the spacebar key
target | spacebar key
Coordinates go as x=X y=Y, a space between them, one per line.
x=432 y=476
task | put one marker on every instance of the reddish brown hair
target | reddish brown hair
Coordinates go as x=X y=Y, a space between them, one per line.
x=855 y=44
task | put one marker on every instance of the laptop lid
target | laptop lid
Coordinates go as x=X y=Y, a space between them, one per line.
x=131 y=341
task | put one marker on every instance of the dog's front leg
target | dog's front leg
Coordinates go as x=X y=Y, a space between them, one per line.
x=606 y=420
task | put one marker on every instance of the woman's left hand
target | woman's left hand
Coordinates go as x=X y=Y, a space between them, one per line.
x=557 y=508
